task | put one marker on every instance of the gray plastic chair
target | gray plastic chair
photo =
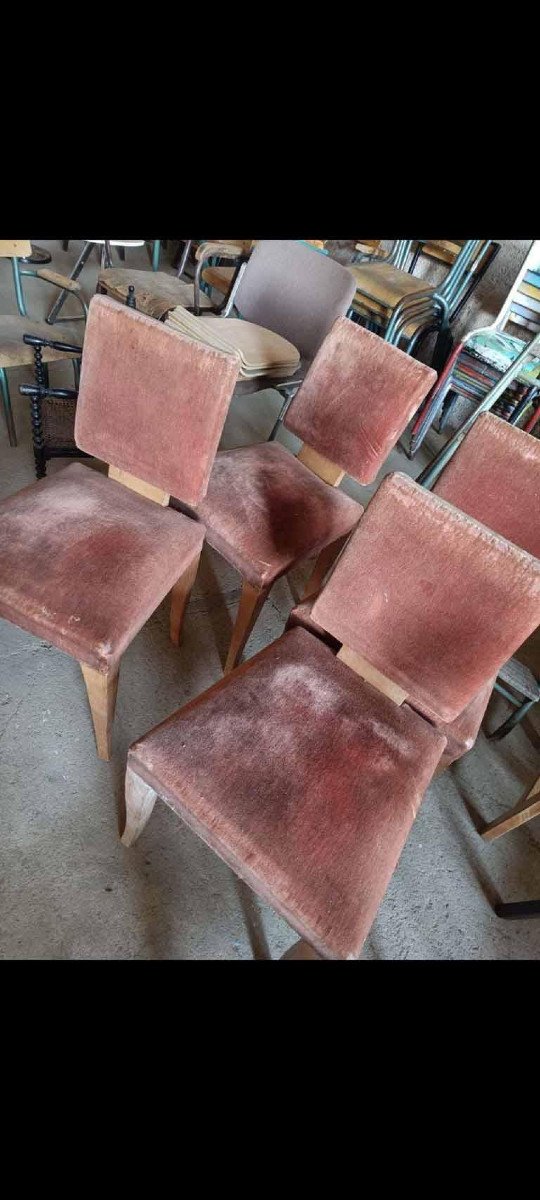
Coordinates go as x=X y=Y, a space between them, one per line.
x=298 y=293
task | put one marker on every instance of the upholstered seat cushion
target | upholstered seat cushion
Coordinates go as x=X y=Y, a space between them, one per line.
x=155 y=292
x=265 y=511
x=495 y=478
x=84 y=561
x=15 y=353
x=304 y=779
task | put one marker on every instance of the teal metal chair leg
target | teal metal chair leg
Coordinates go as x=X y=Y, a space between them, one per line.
x=156 y=252
x=18 y=287
x=8 y=412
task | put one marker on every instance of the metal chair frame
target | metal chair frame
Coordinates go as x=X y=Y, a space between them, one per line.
x=434 y=403
x=18 y=273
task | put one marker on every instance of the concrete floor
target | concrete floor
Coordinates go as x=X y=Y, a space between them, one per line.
x=70 y=890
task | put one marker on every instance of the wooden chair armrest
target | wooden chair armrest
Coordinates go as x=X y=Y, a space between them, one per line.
x=60 y=281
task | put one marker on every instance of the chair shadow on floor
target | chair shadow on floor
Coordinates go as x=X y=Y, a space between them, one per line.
x=253 y=920
x=475 y=859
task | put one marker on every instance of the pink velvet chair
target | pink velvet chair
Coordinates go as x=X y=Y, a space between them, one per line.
x=84 y=559
x=304 y=770
x=266 y=511
x=495 y=478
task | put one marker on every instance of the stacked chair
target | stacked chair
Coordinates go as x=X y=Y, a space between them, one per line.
x=403 y=308
x=85 y=560
x=266 y=511
x=447 y=252
x=484 y=355
x=303 y=769
x=258 y=351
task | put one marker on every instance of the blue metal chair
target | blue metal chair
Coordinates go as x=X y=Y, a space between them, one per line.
x=483 y=355
x=403 y=308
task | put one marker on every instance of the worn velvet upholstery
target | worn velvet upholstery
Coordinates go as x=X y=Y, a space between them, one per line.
x=304 y=779
x=358 y=397
x=494 y=476
x=265 y=511
x=301 y=615
x=294 y=291
x=434 y=600
x=151 y=401
x=84 y=561
x=460 y=734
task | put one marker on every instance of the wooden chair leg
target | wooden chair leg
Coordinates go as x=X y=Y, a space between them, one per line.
x=251 y=602
x=101 y=689
x=301 y=949
x=179 y=598
x=322 y=566
x=523 y=812
x=140 y=800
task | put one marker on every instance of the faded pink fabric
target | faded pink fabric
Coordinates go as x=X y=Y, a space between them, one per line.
x=460 y=734
x=151 y=401
x=301 y=615
x=358 y=397
x=494 y=476
x=304 y=779
x=265 y=511
x=84 y=561
x=431 y=598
